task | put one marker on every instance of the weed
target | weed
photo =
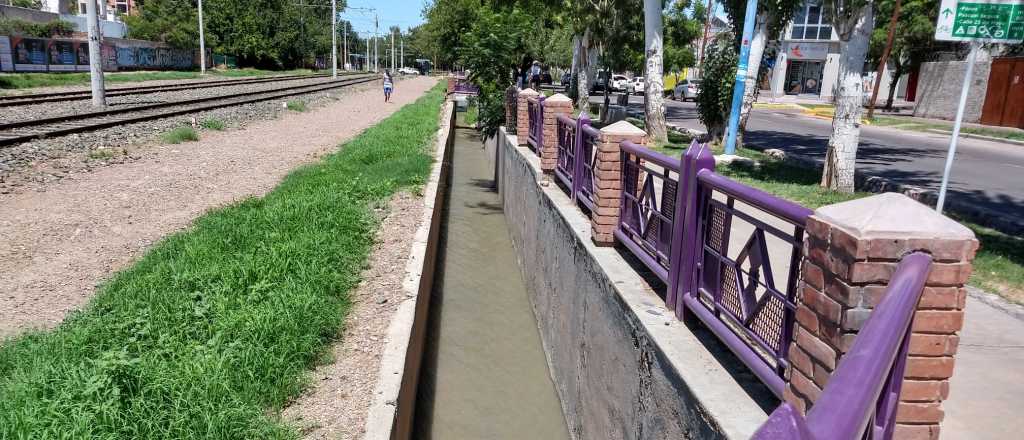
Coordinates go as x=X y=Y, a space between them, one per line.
x=212 y=124
x=181 y=134
x=296 y=105
x=101 y=154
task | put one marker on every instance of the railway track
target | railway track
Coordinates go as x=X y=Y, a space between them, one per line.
x=41 y=98
x=22 y=131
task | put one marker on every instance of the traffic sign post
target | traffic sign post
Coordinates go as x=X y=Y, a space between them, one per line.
x=975 y=21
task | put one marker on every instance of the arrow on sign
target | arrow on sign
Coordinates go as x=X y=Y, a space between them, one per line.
x=947 y=12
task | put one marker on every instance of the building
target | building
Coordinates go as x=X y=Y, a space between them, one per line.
x=807 y=58
x=109 y=9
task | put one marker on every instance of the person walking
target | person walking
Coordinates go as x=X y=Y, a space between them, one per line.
x=389 y=85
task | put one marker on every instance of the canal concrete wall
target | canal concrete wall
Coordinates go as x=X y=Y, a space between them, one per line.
x=391 y=414
x=623 y=366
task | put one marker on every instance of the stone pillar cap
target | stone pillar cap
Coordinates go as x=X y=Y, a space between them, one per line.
x=623 y=128
x=528 y=91
x=557 y=97
x=891 y=216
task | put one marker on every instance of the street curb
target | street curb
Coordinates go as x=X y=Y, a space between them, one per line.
x=978 y=136
x=998 y=302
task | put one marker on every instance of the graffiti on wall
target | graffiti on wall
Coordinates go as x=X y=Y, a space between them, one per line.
x=43 y=54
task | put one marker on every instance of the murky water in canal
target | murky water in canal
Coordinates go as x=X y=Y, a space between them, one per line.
x=484 y=373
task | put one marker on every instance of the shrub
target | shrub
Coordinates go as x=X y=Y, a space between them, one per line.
x=714 y=98
x=212 y=124
x=181 y=134
x=297 y=105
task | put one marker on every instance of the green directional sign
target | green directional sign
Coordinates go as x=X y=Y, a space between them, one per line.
x=994 y=21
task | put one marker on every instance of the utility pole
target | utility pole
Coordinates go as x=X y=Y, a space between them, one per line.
x=334 y=38
x=392 y=51
x=741 y=77
x=704 y=41
x=202 y=42
x=367 y=63
x=402 y=40
x=99 y=96
x=376 y=32
x=344 y=52
x=885 y=58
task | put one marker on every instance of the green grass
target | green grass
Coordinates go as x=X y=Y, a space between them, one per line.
x=101 y=154
x=472 y=114
x=297 y=105
x=180 y=134
x=998 y=267
x=29 y=80
x=215 y=328
x=917 y=125
x=212 y=124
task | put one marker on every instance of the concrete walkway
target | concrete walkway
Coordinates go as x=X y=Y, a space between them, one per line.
x=987 y=390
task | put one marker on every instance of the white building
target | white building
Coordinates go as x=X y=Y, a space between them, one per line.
x=807 y=62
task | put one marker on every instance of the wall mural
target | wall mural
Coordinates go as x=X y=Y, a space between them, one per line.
x=51 y=55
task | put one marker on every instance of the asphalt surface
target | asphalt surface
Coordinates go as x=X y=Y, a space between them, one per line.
x=987 y=174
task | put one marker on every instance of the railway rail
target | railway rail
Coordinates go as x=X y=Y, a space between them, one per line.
x=41 y=98
x=22 y=131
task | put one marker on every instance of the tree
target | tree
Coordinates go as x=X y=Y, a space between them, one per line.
x=682 y=28
x=853 y=21
x=31 y=4
x=771 y=20
x=913 y=41
x=715 y=95
x=654 y=49
x=173 y=22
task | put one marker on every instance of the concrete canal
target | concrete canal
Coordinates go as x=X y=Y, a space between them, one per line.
x=484 y=372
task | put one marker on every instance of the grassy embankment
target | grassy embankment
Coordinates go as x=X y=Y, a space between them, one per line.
x=213 y=330
x=29 y=80
x=998 y=267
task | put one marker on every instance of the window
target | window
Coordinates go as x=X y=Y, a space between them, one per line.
x=81 y=9
x=122 y=6
x=811 y=22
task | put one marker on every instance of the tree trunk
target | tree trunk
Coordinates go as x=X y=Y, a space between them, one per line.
x=583 y=73
x=654 y=83
x=751 y=86
x=897 y=72
x=840 y=160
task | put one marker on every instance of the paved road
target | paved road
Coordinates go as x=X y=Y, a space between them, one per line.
x=987 y=174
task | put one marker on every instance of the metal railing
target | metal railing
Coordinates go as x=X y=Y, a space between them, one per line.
x=862 y=396
x=565 y=165
x=464 y=86
x=584 y=190
x=735 y=291
x=535 y=137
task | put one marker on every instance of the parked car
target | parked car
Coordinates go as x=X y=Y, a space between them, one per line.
x=637 y=85
x=408 y=71
x=686 y=90
x=620 y=83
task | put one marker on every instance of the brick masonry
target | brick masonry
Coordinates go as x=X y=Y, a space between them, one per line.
x=557 y=104
x=851 y=252
x=523 y=116
x=607 y=179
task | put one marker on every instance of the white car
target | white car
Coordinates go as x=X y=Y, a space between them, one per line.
x=408 y=71
x=620 y=82
x=637 y=85
x=686 y=90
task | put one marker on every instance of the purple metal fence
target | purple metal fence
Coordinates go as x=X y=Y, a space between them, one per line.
x=565 y=129
x=738 y=297
x=587 y=158
x=861 y=397
x=462 y=85
x=535 y=137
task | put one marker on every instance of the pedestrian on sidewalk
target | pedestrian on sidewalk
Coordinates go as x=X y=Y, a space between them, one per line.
x=389 y=85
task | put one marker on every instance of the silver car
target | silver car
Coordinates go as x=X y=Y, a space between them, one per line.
x=686 y=90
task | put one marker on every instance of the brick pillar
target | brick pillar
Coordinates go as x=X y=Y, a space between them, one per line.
x=557 y=104
x=852 y=249
x=607 y=176
x=451 y=84
x=523 y=116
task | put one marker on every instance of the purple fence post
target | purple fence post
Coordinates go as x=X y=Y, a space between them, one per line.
x=685 y=245
x=579 y=160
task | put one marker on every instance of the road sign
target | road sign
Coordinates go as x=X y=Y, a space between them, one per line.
x=990 y=21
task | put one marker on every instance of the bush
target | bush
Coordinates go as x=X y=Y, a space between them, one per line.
x=296 y=105
x=56 y=28
x=714 y=98
x=212 y=124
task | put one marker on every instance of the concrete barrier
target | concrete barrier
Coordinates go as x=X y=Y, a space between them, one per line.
x=623 y=366
x=391 y=414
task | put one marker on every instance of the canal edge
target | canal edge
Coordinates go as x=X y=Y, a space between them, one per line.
x=391 y=413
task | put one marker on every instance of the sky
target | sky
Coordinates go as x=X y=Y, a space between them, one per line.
x=402 y=13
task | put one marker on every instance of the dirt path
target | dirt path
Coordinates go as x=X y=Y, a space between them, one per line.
x=56 y=245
